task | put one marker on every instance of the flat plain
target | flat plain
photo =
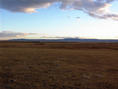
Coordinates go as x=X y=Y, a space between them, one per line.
x=43 y=65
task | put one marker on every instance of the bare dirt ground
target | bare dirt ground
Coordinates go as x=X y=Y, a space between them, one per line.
x=35 y=65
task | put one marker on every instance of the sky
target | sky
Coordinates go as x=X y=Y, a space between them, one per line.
x=94 y=19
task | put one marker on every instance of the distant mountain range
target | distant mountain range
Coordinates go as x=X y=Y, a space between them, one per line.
x=65 y=40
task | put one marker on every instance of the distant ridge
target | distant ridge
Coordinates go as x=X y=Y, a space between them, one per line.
x=65 y=40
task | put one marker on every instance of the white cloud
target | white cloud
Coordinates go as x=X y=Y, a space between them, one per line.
x=95 y=8
x=12 y=35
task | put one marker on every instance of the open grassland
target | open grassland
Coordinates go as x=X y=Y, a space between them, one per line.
x=35 y=65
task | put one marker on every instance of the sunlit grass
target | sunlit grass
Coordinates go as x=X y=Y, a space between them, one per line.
x=58 y=65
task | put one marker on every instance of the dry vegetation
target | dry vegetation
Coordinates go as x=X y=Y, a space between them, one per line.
x=28 y=65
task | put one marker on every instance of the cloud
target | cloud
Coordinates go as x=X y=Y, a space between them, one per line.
x=94 y=8
x=25 y=5
x=10 y=34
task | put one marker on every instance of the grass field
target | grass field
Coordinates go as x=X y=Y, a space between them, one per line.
x=35 y=65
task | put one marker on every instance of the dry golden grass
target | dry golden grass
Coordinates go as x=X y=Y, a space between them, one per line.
x=28 y=65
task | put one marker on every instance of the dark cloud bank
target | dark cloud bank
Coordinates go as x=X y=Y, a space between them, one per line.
x=95 y=8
